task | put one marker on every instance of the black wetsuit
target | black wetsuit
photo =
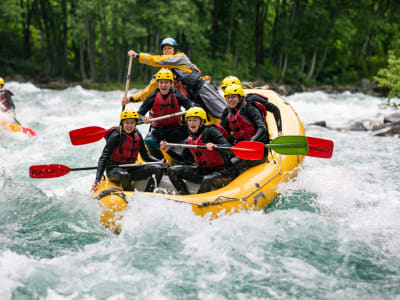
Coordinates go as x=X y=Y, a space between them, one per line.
x=126 y=175
x=208 y=177
x=252 y=114
x=6 y=100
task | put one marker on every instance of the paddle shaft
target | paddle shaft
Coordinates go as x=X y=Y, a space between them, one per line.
x=120 y=166
x=165 y=117
x=5 y=109
x=128 y=77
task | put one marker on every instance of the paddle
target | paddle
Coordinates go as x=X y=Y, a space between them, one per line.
x=57 y=170
x=25 y=130
x=128 y=76
x=320 y=147
x=245 y=149
x=92 y=134
x=289 y=145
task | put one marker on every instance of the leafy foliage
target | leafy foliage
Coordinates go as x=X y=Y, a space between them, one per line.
x=390 y=77
x=291 y=41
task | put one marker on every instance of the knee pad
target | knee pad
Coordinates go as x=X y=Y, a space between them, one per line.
x=151 y=142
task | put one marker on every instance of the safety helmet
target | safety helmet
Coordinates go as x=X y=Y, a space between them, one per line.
x=169 y=41
x=196 y=112
x=229 y=80
x=233 y=89
x=165 y=74
x=1 y=81
x=129 y=114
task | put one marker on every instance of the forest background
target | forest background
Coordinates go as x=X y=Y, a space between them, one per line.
x=307 y=42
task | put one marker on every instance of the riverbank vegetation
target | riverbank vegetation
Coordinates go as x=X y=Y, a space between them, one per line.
x=305 y=42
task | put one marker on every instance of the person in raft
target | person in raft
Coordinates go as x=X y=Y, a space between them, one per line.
x=188 y=78
x=165 y=100
x=243 y=122
x=6 y=103
x=123 y=144
x=208 y=167
x=252 y=98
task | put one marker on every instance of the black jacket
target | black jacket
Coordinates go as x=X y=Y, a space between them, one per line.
x=209 y=134
x=6 y=95
x=149 y=101
x=251 y=98
x=113 y=141
x=250 y=113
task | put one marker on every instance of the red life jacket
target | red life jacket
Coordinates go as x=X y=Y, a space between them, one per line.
x=241 y=129
x=205 y=158
x=222 y=130
x=3 y=99
x=162 y=107
x=259 y=105
x=128 y=151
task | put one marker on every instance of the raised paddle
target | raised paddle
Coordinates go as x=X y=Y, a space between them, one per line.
x=245 y=149
x=57 y=170
x=289 y=145
x=128 y=77
x=320 y=147
x=92 y=134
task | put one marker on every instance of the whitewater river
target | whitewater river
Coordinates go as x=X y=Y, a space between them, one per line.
x=333 y=233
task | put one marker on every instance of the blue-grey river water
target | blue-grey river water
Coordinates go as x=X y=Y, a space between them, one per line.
x=333 y=233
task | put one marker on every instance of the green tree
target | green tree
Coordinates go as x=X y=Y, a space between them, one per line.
x=390 y=77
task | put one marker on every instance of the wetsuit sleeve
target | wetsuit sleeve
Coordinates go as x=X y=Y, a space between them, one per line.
x=111 y=143
x=175 y=61
x=213 y=135
x=8 y=95
x=256 y=118
x=143 y=151
x=185 y=158
x=277 y=114
x=224 y=120
x=143 y=94
x=147 y=105
x=182 y=100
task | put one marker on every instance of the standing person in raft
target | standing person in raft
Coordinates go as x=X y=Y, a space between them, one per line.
x=188 y=78
x=252 y=98
x=6 y=103
x=123 y=144
x=244 y=122
x=209 y=167
x=165 y=100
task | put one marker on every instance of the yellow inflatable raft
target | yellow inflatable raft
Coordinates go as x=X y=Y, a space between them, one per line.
x=254 y=189
x=14 y=126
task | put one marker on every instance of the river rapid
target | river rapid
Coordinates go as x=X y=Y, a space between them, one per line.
x=333 y=233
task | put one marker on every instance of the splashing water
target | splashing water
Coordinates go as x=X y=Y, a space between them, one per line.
x=331 y=234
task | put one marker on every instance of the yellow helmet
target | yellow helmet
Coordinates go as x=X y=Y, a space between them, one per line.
x=196 y=112
x=1 y=81
x=233 y=89
x=129 y=114
x=229 y=80
x=165 y=74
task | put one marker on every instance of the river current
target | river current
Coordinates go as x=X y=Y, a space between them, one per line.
x=333 y=233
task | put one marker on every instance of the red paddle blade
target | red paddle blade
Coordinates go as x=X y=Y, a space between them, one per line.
x=48 y=171
x=86 y=135
x=320 y=147
x=249 y=150
x=29 y=132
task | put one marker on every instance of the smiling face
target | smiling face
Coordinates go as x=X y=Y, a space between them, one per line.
x=164 y=85
x=168 y=50
x=232 y=100
x=194 y=124
x=129 y=125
